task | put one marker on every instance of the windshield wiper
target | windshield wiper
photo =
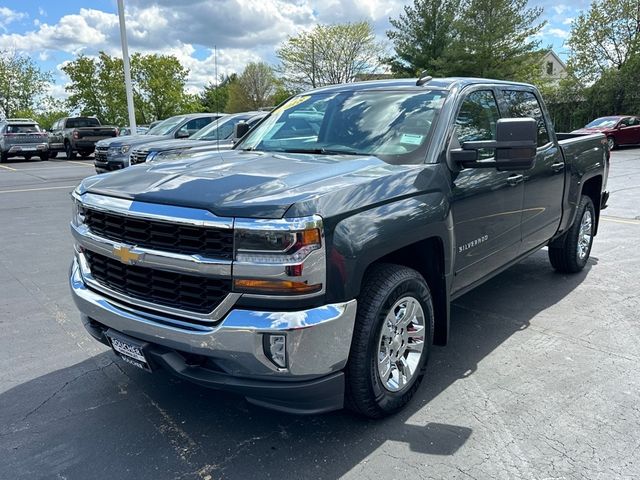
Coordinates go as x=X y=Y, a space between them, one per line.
x=321 y=151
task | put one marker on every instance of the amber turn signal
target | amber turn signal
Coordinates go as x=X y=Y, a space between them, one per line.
x=274 y=287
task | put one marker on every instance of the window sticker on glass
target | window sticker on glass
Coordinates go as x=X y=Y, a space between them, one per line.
x=292 y=103
x=411 y=139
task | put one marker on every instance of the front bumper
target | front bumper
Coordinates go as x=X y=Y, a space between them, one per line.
x=230 y=355
x=111 y=163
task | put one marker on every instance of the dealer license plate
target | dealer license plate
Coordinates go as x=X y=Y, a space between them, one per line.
x=129 y=350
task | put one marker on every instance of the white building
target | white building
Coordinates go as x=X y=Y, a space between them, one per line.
x=553 y=68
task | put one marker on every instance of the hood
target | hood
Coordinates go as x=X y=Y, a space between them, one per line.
x=260 y=184
x=130 y=140
x=593 y=130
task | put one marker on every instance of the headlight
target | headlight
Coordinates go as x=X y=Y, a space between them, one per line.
x=263 y=246
x=77 y=211
x=279 y=257
x=119 y=150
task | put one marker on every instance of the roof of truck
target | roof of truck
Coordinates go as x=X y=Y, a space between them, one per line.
x=435 y=83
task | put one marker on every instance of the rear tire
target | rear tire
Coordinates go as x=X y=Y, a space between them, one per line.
x=53 y=154
x=85 y=153
x=3 y=157
x=570 y=253
x=27 y=157
x=391 y=341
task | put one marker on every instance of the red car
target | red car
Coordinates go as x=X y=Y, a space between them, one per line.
x=619 y=129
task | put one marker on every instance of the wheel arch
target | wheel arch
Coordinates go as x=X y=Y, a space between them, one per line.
x=592 y=188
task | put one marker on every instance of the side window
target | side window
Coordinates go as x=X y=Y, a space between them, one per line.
x=525 y=104
x=477 y=120
x=192 y=126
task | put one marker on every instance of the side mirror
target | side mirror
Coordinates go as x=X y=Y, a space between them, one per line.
x=240 y=129
x=182 y=134
x=515 y=146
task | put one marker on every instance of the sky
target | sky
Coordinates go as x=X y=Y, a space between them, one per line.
x=242 y=31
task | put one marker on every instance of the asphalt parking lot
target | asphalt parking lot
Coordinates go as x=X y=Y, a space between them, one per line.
x=540 y=379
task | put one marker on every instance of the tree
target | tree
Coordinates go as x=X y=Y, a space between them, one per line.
x=604 y=37
x=214 y=98
x=47 y=111
x=160 y=85
x=421 y=36
x=253 y=89
x=21 y=83
x=329 y=54
x=496 y=39
x=159 y=81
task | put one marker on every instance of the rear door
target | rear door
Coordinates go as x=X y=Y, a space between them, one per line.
x=486 y=204
x=544 y=183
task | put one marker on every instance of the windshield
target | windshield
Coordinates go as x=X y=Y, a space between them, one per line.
x=604 y=122
x=393 y=125
x=218 y=129
x=165 y=127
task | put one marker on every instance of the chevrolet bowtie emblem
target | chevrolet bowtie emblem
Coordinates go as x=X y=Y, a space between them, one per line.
x=125 y=254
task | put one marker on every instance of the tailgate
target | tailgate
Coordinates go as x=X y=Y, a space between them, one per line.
x=25 y=138
x=95 y=133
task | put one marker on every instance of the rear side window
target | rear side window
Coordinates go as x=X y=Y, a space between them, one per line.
x=477 y=120
x=522 y=104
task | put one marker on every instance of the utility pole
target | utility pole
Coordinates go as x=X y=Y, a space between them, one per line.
x=313 y=63
x=127 y=69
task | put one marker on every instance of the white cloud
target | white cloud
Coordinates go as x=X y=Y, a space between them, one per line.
x=558 y=32
x=8 y=16
x=561 y=8
x=568 y=20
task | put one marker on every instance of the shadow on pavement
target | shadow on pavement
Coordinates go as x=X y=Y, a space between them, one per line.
x=99 y=419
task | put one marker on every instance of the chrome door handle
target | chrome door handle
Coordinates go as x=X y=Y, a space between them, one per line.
x=557 y=167
x=514 y=180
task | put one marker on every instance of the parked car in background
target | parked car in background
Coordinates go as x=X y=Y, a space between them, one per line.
x=140 y=129
x=113 y=154
x=313 y=265
x=73 y=135
x=619 y=129
x=217 y=135
x=22 y=137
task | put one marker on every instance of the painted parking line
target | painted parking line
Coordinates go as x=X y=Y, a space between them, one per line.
x=627 y=221
x=8 y=168
x=37 y=189
x=80 y=163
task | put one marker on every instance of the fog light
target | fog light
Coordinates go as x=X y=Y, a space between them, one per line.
x=275 y=348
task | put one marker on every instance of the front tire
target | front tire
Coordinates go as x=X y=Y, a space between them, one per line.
x=611 y=142
x=391 y=341
x=570 y=253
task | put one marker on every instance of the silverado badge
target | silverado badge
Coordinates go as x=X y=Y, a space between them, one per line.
x=125 y=255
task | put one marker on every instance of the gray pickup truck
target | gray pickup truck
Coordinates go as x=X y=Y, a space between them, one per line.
x=73 y=135
x=22 y=137
x=312 y=266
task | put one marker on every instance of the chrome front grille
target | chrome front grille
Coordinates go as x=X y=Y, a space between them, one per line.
x=170 y=289
x=101 y=154
x=138 y=156
x=209 y=242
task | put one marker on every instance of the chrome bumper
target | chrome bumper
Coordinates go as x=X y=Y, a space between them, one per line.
x=318 y=339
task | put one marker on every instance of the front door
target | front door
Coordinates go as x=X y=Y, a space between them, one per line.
x=486 y=204
x=628 y=131
x=544 y=183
